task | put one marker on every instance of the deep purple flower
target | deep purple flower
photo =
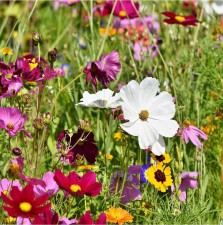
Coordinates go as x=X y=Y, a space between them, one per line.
x=81 y=143
x=12 y=121
x=188 y=180
x=131 y=184
x=189 y=132
x=86 y=219
x=105 y=70
x=143 y=169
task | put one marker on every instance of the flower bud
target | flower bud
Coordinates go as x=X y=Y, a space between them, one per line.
x=38 y=123
x=16 y=151
x=47 y=118
x=36 y=39
x=52 y=56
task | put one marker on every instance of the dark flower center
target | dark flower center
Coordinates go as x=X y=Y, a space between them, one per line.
x=144 y=115
x=160 y=158
x=94 y=68
x=160 y=176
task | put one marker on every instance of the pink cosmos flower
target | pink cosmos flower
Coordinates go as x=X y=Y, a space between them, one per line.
x=65 y=221
x=105 y=70
x=191 y=133
x=77 y=186
x=188 y=181
x=131 y=184
x=86 y=219
x=12 y=121
x=6 y=185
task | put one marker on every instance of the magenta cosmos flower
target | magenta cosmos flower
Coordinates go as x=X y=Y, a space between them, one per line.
x=77 y=186
x=6 y=185
x=81 y=143
x=189 y=132
x=188 y=180
x=104 y=70
x=24 y=203
x=12 y=121
x=125 y=9
x=131 y=184
x=86 y=219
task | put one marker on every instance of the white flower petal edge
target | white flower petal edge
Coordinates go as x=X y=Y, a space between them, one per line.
x=101 y=99
x=158 y=148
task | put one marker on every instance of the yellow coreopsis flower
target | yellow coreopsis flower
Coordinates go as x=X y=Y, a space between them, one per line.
x=6 y=51
x=165 y=158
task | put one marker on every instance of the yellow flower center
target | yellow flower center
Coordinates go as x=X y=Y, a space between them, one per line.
x=180 y=19
x=9 y=76
x=10 y=125
x=25 y=206
x=75 y=188
x=5 y=192
x=144 y=115
x=33 y=64
x=122 y=13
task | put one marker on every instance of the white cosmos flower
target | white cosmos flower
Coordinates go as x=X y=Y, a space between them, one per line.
x=149 y=115
x=101 y=99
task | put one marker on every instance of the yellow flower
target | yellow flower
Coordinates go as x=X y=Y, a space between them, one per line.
x=111 y=31
x=118 y=136
x=85 y=167
x=6 y=51
x=10 y=220
x=159 y=176
x=108 y=156
x=165 y=158
x=118 y=215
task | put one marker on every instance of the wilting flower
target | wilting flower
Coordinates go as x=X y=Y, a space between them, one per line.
x=81 y=143
x=102 y=99
x=6 y=185
x=149 y=115
x=12 y=121
x=6 y=51
x=188 y=180
x=105 y=70
x=118 y=215
x=182 y=20
x=125 y=9
x=86 y=219
x=159 y=176
x=16 y=166
x=77 y=186
x=24 y=203
x=131 y=184
x=189 y=132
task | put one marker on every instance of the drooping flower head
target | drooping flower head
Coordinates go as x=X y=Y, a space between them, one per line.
x=104 y=70
x=149 y=115
x=118 y=215
x=102 y=99
x=81 y=143
x=159 y=176
x=189 y=132
x=24 y=203
x=77 y=186
x=188 y=180
x=87 y=219
x=131 y=184
x=181 y=20
x=12 y=121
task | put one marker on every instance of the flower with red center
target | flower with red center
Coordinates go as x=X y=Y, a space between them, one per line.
x=181 y=20
x=86 y=219
x=77 y=186
x=12 y=121
x=125 y=8
x=24 y=203
x=81 y=143
x=104 y=70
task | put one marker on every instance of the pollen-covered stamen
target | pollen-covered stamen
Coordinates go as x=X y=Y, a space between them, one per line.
x=144 y=115
x=25 y=206
x=10 y=126
x=5 y=192
x=160 y=176
x=75 y=188
x=122 y=13
x=8 y=76
x=180 y=19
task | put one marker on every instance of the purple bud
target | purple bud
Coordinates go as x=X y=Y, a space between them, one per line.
x=16 y=151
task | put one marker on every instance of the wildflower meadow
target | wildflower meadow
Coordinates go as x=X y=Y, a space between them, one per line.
x=111 y=112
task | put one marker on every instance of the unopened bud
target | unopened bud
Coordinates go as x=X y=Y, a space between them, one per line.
x=16 y=151
x=47 y=118
x=38 y=123
x=84 y=125
x=52 y=56
x=36 y=38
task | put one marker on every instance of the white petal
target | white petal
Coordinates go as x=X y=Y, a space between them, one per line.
x=166 y=128
x=162 y=107
x=133 y=128
x=148 y=89
x=147 y=135
x=158 y=148
x=129 y=113
x=114 y=101
x=218 y=7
